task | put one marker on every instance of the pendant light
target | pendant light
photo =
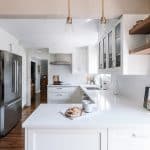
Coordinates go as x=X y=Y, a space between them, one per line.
x=69 y=19
x=103 y=18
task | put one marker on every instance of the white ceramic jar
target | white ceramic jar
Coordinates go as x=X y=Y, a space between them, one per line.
x=88 y=106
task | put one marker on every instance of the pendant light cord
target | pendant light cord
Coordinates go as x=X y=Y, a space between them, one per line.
x=69 y=18
x=102 y=8
x=103 y=19
x=69 y=8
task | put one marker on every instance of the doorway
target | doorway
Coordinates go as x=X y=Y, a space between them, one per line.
x=44 y=81
x=33 y=81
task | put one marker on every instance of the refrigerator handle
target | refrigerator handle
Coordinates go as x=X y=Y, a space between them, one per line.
x=14 y=102
x=15 y=76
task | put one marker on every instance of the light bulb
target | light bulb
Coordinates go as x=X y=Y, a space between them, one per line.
x=69 y=26
x=103 y=20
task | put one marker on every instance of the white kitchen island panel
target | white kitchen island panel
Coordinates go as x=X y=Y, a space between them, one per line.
x=48 y=139
x=118 y=124
x=129 y=139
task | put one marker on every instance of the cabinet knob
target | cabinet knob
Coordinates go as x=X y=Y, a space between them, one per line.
x=134 y=135
x=113 y=63
x=101 y=66
x=59 y=94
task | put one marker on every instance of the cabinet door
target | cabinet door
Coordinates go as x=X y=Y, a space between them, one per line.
x=104 y=52
x=101 y=55
x=118 y=45
x=80 y=61
x=65 y=140
x=62 y=94
x=93 y=57
x=59 y=98
x=101 y=64
x=62 y=89
x=110 y=50
x=129 y=139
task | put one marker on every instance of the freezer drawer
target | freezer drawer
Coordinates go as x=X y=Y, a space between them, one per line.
x=10 y=116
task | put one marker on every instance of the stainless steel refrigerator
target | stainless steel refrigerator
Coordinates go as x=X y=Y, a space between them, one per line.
x=10 y=91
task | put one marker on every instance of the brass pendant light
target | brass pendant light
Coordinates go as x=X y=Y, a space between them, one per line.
x=69 y=18
x=103 y=18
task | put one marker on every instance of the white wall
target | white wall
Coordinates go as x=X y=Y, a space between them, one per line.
x=130 y=42
x=133 y=86
x=5 y=40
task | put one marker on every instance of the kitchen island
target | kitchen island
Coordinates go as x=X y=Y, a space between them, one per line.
x=118 y=124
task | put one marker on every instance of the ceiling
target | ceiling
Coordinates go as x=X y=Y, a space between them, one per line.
x=51 y=33
x=40 y=28
x=79 y=8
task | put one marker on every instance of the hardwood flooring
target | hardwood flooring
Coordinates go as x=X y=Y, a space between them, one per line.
x=15 y=139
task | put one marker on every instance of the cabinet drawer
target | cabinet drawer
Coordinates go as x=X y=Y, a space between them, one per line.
x=135 y=133
x=62 y=89
x=58 y=96
x=128 y=139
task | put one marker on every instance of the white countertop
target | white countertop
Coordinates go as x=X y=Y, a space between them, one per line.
x=70 y=85
x=63 y=85
x=113 y=111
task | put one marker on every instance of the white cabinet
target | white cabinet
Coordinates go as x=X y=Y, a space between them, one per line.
x=64 y=94
x=80 y=61
x=85 y=60
x=118 y=38
x=93 y=59
x=58 y=97
x=105 y=62
x=115 y=44
x=101 y=55
x=128 y=139
x=47 y=139
x=110 y=49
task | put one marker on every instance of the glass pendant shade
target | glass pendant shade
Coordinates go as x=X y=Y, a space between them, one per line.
x=69 y=27
x=103 y=20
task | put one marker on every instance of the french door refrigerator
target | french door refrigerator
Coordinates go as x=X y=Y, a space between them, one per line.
x=10 y=91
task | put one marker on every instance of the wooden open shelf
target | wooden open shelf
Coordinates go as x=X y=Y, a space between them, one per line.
x=141 y=27
x=145 y=50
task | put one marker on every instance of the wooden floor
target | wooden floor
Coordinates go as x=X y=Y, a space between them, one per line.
x=15 y=139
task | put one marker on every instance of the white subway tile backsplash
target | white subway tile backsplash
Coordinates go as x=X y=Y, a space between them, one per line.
x=133 y=86
x=65 y=73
